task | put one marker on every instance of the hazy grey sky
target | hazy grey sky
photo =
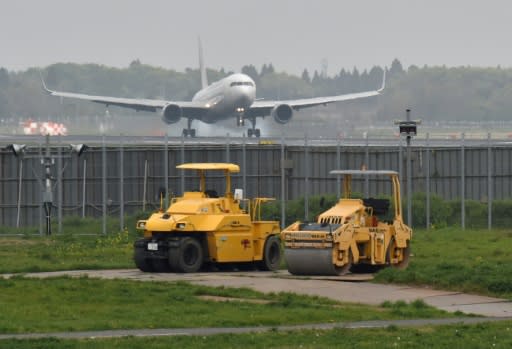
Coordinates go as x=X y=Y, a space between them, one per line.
x=293 y=35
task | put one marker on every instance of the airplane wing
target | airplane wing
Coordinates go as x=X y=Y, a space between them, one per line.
x=189 y=109
x=264 y=107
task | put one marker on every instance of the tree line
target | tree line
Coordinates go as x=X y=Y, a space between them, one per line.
x=435 y=93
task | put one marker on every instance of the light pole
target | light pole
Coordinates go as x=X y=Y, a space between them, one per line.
x=18 y=150
x=48 y=162
x=408 y=129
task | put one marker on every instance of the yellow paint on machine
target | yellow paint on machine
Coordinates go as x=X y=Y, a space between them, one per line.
x=205 y=227
x=356 y=231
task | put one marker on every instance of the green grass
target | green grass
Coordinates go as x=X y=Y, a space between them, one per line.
x=476 y=261
x=66 y=304
x=66 y=252
x=490 y=335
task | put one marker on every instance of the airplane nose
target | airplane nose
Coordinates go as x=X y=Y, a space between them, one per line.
x=246 y=100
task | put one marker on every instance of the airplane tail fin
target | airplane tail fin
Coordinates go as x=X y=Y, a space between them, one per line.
x=383 y=82
x=202 y=68
x=46 y=89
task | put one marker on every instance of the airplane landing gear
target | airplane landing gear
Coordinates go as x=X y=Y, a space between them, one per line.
x=253 y=131
x=189 y=132
x=240 y=121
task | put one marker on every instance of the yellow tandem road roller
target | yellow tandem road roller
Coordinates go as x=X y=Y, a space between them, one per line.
x=351 y=235
x=202 y=228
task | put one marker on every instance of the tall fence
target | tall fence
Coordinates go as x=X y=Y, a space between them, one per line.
x=121 y=176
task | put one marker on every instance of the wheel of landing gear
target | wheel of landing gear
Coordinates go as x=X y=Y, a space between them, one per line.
x=271 y=254
x=185 y=132
x=188 y=257
x=141 y=262
x=249 y=132
x=192 y=132
x=393 y=251
x=257 y=132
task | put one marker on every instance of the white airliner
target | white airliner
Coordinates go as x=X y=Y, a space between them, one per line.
x=231 y=97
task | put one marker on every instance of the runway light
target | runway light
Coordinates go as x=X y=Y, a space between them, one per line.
x=78 y=148
x=17 y=149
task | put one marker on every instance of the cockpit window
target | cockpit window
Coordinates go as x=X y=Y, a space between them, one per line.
x=241 y=83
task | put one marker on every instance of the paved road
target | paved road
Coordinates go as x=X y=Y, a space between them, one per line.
x=208 y=331
x=345 y=289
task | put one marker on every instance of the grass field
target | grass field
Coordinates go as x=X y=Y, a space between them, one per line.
x=491 y=335
x=66 y=252
x=66 y=304
x=475 y=261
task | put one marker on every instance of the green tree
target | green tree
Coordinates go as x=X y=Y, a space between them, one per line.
x=252 y=72
x=396 y=68
x=305 y=76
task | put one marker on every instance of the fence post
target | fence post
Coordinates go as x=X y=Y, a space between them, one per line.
x=41 y=192
x=306 y=179
x=462 y=184
x=427 y=180
x=283 y=183
x=244 y=167
x=409 y=185
x=104 y=184
x=121 y=183
x=166 y=170
x=20 y=182
x=338 y=167
x=227 y=147
x=489 y=182
x=145 y=184
x=59 y=185
x=83 y=188
x=182 y=173
x=367 y=166
x=400 y=158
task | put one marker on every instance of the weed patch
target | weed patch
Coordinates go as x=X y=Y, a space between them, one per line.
x=475 y=261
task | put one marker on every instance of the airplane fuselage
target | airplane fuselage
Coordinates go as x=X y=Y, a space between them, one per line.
x=227 y=97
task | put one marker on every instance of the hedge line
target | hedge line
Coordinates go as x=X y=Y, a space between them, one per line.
x=443 y=213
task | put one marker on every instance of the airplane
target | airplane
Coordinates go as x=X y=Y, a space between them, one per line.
x=232 y=96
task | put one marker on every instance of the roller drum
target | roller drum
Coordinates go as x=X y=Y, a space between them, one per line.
x=312 y=261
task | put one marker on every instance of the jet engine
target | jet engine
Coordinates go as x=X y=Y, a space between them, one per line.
x=282 y=113
x=171 y=113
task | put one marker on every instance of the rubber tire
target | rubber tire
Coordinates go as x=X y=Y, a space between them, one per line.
x=271 y=254
x=407 y=253
x=188 y=257
x=161 y=265
x=141 y=262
